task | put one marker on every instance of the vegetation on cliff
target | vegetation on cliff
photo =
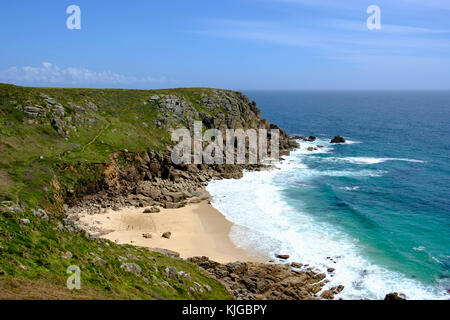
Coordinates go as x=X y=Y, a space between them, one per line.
x=57 y=144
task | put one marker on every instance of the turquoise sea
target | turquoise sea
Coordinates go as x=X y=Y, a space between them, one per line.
x=376 y=209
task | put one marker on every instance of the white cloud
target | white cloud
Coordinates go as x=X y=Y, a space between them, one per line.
x=49 y=74
x=351 y=25
x=330 y=34
x=357 y=4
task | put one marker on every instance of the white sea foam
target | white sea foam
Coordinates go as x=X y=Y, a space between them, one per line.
x=371 y=160
x=350 y=188
x=265 y=222
x=352 y=142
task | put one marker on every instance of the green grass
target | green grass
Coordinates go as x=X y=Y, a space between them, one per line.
x=35 y=252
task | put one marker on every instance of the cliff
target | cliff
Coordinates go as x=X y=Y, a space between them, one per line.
x=66 y=147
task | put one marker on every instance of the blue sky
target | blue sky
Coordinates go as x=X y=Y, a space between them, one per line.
x=245 y=44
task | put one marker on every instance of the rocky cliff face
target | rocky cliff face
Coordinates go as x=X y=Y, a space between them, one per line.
x=216 y=109
x=219 y=109
x=151 y=178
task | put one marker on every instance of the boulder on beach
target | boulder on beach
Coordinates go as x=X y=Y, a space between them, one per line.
x=337 y=139
x=167 y=235
x=152 y=210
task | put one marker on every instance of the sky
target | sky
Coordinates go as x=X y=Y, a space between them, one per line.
x=232 y=44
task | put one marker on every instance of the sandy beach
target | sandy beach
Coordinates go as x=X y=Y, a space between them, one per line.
x=196 y=230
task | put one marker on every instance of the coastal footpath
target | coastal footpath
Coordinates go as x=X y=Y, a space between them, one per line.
x=70 y=155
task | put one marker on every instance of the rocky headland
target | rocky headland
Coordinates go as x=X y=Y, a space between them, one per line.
x=73 y=152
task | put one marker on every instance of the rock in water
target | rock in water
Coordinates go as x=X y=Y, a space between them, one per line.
x=282 y=256
x=327 y=294
x=296 y=265
x=337 y=139
x=394 y=296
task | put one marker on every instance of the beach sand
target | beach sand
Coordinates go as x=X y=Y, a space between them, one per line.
x=196 y=230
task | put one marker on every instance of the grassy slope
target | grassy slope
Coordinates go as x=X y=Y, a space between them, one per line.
x=30 y=153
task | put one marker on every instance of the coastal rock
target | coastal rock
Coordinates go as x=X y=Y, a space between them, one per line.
x=184 y=275
x=67 y=255
x=171 y=205
x=166 y=235
x=78 y=108
x=59 y=110
x=131 y=267
x=250 y=281
x=98 y=261
x=171 y=272
x=58 y=125
x=238 y=268
x=50 y=101
x=327 y=295
x=338 y=139
x=394 y=296
x=166 y=252
x=303 y=138
x=330 y=294
x=151 y=210
x=33 y=111
x=282 y=256
x=337 y=289
x=40 y=213
x=147 y=235
x=92 y=106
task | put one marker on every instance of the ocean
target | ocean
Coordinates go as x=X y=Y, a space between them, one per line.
x=376 y=209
